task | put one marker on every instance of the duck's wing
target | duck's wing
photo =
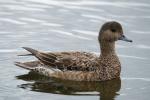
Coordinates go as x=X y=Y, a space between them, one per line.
x=71 y=61
x=74 y=75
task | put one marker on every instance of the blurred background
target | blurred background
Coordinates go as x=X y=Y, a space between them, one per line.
x=64 y=25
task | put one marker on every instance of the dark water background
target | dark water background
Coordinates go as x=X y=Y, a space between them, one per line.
x=61 y=25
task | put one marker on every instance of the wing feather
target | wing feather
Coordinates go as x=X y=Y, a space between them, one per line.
x=73 y=61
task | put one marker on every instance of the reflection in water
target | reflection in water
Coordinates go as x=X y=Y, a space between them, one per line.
x=107 y=90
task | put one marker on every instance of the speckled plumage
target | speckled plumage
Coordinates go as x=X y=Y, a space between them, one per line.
x=82 y=66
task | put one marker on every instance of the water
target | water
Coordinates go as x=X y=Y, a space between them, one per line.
x=61 y=25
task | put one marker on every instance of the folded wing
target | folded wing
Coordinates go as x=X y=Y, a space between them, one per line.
x=77 y=61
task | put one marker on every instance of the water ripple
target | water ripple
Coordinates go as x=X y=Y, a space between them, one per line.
x=12 y=21
x=141 y=46
x=70 y=34
x=22 y=8
x=31 y=19
x=133 y=57
x=140 y=32
x=136 y=78
x=38 y=6
x=8 y=50
x=86 y=32
x=103 y=3
x=52 y=24
x=95 y=17
x=84 y=8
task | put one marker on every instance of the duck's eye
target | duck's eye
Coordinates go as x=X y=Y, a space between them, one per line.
x=113 y=30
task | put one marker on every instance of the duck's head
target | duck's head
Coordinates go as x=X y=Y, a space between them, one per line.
x=111 y=32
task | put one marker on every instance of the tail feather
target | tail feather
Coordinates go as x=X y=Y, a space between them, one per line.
x=22 y=65
x=45 y=58
x=35 y=66
x=25 y=54
x=32 y=51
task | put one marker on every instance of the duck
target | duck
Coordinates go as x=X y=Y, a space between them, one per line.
x=81 y=66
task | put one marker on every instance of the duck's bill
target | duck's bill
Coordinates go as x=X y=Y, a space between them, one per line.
x=124 y=38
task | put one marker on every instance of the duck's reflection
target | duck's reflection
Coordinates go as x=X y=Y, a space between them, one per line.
x=107 y=90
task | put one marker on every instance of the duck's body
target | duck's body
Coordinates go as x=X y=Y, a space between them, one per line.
x=81 y=66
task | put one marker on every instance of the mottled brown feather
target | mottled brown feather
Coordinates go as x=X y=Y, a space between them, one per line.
x=81 y=66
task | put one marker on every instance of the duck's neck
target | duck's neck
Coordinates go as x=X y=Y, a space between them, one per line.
x=107 y=48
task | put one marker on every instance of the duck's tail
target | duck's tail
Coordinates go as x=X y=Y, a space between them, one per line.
x=32 y=51
x=35 y=66
x=25 y=54
x=24 y=65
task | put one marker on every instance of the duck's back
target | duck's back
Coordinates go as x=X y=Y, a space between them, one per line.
x=71 y=61
x=78 y=61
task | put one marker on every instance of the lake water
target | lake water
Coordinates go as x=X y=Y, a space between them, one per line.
x=61 y=25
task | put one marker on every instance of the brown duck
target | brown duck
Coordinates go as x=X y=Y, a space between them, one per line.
x=82 y=66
